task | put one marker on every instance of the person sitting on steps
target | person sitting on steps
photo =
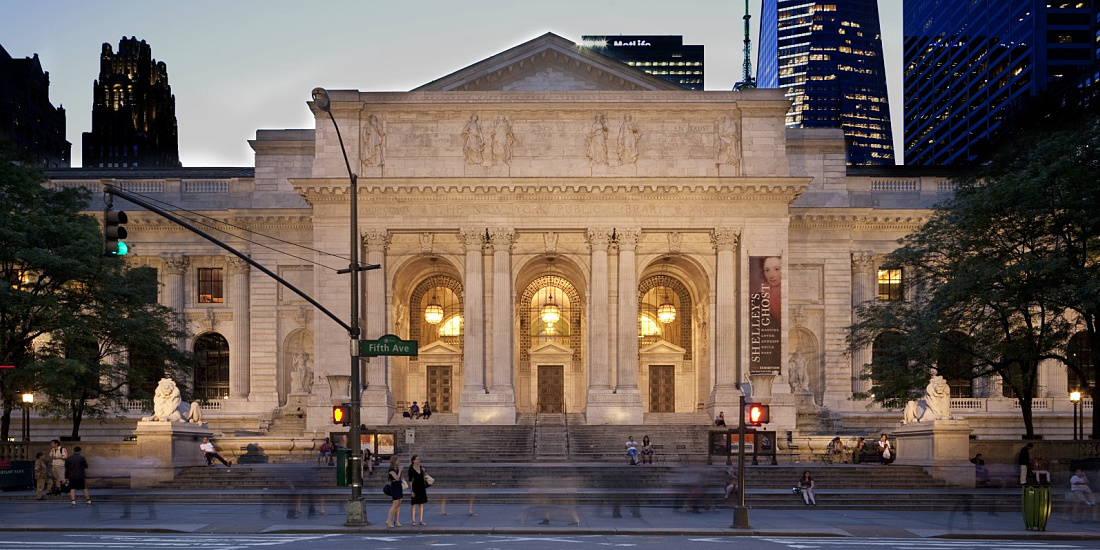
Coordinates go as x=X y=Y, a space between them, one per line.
x=632 y=450
x=414 y=411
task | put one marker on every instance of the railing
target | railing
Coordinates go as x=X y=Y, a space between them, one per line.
x=143 y=187
x=205 y=186
x=1036 y=404
x=893 y=185
x=967 y=404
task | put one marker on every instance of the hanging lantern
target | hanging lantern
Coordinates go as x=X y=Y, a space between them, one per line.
x=550 y=313
x=666 y=312
x=433 y=314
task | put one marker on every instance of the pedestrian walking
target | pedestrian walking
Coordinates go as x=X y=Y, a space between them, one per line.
x=418 y=485
x=58 y=455
x=76 y=472
x=42 y=475
x=393 y=518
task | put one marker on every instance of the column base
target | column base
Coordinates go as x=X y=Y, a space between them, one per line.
x=727 y=399
x=377 y=406
x=622 y=406
x=479 y=407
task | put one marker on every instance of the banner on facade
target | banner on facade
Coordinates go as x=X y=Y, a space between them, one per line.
x=765 y=314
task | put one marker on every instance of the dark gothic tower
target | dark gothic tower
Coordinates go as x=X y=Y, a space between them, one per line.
x=133 y=111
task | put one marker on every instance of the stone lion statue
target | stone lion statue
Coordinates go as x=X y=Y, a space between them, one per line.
x=935 y=405
x=168 y=407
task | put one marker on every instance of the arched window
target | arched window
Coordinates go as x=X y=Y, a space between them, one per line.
x=437 y=311
x=664 y=312
x=212 y=367
x=1079 y=352
x=550 y=312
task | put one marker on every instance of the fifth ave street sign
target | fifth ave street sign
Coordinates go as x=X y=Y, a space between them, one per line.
x=388 y=345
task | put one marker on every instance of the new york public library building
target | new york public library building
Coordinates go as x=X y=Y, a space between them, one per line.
x=560 y=233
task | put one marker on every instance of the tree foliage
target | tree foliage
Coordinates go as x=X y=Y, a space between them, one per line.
x=1000 y=276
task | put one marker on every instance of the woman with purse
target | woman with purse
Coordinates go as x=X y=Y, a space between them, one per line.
x=807 y=486
x=419 y=488
x=393 y=518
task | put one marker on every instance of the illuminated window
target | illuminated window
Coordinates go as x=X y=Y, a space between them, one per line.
x=210 y=285
x=889 y=284
x=648 y=327
x=211 y=367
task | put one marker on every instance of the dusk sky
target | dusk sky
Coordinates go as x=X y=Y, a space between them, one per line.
x=239 y=66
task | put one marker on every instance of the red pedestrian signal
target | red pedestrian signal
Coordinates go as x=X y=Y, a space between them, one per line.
x=756 y=414
x=341 y=414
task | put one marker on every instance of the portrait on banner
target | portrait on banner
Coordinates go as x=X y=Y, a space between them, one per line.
x=765 y=314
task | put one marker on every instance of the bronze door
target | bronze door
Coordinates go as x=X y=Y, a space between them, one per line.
x=551 y=389
x=439 y=388
x=662 y=388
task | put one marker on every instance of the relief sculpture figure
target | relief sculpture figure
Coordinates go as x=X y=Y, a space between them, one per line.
x=729 y=143
x=374 y=142
x=596 y=142
x=629 y=135
x=473 y=143
x=502 y=141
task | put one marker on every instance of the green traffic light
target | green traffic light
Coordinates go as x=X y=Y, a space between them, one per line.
x=122 y=249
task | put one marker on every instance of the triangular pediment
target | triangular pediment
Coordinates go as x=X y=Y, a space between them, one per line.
x=661 y=347
x=438 y=348
x=548 y=63
x=550 y=348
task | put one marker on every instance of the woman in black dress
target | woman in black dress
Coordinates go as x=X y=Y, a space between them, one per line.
x=393 y=518
x=418 y=487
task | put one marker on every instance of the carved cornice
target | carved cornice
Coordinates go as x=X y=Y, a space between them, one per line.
x=863 y=261
x=259 y=222
x=725 y=238
x=907 y=221
x=627 y=238
x=473 y=238
x=237 y=265
x=599 y=238
x=175 y=264
x=501 y=237
x=376 y=239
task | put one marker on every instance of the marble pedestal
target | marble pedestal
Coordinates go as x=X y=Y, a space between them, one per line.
x=494 y=408
x=614 y=407
x=941 y=447
x=164 y=448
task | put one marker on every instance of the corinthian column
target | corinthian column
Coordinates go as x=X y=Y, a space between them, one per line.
x=628 y=310
x=473 y=311
x=501 y=239
x=378 y=401
x=599 y=365
x=241 y=354
x=175 y=265
x=863 y=289
x=727 y=375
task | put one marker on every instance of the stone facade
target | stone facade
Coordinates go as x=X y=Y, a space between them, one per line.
x=543 y=176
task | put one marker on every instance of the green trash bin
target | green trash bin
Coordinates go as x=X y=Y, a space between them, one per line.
x=342 y=467
x=1036 y=504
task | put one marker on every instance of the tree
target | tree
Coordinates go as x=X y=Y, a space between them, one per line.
x=45 y=245
x=1003 y=264
x=121 y=342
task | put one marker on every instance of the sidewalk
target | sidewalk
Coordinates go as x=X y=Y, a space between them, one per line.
x=160 y=513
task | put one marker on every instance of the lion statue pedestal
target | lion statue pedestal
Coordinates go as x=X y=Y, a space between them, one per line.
x=169 y=440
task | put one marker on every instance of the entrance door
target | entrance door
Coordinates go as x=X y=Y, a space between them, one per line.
x=439 y=388
x=662 y=389
x=551 y=389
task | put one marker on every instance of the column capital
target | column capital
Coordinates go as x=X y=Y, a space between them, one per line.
x=725 y=238
x=627 y=238
x=376 y=239
x=863 y=261
x=175 y=264
x=599 y=238
x=501 y=237
x=473 y=238
x=237 y=266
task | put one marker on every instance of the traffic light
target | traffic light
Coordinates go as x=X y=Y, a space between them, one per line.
x=756 y=414
x=341 y=414
x=113 y=233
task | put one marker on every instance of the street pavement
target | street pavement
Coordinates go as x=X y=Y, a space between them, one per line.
x=324 y=512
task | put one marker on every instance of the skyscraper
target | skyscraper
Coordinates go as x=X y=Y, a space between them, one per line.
x=133 y=111
x=26 y=115
x=827 y=57
x=972 y=67
x=666 y=57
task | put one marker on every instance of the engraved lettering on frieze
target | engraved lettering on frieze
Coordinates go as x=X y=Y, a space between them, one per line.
x=374 y=142
x=503 y=140
x=629 y=136
x=729 y=140
x=596 y=141
x=473 y=143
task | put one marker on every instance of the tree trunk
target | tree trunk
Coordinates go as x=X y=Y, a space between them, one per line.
x=78 y=414
x=1025 y=411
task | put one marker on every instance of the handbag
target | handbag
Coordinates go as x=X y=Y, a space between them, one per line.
x=429 y=480
x=404 y=485
x=796 y=489
x=386 y=489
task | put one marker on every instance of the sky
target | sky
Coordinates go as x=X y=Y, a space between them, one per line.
x=237 y=66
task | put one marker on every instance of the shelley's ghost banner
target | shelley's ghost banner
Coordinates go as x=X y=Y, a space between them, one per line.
x=765 y=314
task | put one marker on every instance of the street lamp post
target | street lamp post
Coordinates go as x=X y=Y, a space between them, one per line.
x=1075 y=398
x=28 y=400
x=356 y=514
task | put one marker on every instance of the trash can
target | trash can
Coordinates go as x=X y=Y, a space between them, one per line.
x=342 y=467
x=1036 y=504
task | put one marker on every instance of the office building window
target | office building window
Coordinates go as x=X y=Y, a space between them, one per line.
x=210 y=285
x=889 y=284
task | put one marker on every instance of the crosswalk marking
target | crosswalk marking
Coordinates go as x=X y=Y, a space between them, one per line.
x=802 y=543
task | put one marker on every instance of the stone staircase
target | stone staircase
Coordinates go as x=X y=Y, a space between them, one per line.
x=551 y=438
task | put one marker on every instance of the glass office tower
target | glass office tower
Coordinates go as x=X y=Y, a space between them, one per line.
x=666 y=57
x=827 y=57
x=972 y=67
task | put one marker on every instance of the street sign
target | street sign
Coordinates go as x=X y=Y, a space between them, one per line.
x=388 y=345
